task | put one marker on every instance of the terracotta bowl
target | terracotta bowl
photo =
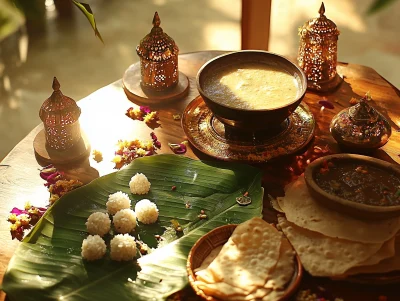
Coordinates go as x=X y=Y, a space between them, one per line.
x=217 y=237
x=346 y=206
x=252 y=120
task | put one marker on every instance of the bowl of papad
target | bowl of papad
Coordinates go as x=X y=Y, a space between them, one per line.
x=249 y=261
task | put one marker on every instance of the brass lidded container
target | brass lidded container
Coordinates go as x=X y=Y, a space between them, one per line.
x=360 y=128
x=60 y=117
x=158 y=59
x=318 y=52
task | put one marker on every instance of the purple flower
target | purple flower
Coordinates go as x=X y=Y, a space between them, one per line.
x=153 y=136
x=145 y=109
x=157 y=144
x=17 y=211
x=149 y=153
x=47 y=171
x=53 y=178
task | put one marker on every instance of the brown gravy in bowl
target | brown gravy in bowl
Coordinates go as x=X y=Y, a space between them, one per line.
x=251 y=86
x=361 y=183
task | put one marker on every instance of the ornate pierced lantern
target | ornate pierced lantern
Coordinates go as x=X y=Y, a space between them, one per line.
x=318 y=52
x=158 y=59
x=60 y=116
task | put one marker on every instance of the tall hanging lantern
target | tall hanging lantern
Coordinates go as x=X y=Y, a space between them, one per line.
x=60 y=117
x=158 y=59
x=318 y=52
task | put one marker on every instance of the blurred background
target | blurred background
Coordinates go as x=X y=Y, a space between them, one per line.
x=53 y=38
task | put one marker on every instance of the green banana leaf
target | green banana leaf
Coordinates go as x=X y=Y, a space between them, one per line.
x=47 y=265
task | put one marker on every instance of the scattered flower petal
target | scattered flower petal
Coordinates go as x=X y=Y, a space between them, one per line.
x=97 y=156
x=22 y=220
x=17 y=211
x=144 y=113
x=145 y=109
x=135 y=114
x=179 y=148
x=47 y=171
x=130 y=150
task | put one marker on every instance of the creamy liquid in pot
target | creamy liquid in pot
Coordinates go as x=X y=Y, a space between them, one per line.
x=251 y=86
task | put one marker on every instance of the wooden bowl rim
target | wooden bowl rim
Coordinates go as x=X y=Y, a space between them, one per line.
x=299 y=71
x=293 y=285
x=312 y=185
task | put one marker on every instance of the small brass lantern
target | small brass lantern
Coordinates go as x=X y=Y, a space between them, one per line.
x=158 y=59
x=60 y=116
x=318 y=52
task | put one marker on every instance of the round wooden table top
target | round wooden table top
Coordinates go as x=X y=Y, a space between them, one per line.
x=104 y=123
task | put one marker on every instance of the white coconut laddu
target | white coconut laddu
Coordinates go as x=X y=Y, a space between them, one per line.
x=146 y=211
x=123 y=246
x=93 y=248
x=118 y=201
x=124 y=221
x=98 y=223
x=139 y=184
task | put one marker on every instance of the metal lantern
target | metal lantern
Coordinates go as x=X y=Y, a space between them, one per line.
x=60 y=116
x=318 y=52
x=158 y=59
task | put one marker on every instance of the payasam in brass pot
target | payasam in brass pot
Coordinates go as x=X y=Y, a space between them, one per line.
x=224 y=104
x=318 y=52
x=361 y=127
x=156 y=78
x=244 y=112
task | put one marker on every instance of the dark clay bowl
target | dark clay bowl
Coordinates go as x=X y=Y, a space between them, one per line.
x=342 y=205
x=252 y=120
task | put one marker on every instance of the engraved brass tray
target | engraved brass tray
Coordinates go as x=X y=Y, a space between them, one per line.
x=210 y=136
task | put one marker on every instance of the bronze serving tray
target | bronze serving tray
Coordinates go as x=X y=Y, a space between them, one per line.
x=210 y=136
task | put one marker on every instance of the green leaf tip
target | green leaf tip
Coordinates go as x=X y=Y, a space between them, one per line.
x=378 y=5
x=87 y=11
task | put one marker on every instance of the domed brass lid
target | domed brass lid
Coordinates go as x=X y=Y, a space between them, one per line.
x=157 y=46
x=320 y=25
x=361 y=127
x=59 y=109
x=363 y=113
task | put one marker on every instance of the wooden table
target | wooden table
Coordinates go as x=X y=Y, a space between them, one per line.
x=104 y=121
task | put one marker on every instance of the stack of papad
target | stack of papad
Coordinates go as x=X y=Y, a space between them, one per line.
x=256 y=262
x=333 y=244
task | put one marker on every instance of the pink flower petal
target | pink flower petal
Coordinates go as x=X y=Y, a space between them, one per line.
x=145 y=109
x=17 y=211
x=177 y=148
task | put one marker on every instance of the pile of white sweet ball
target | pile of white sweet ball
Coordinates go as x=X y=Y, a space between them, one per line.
x=123 y=245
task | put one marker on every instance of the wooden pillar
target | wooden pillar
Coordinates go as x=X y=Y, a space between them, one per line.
x=256 y=16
